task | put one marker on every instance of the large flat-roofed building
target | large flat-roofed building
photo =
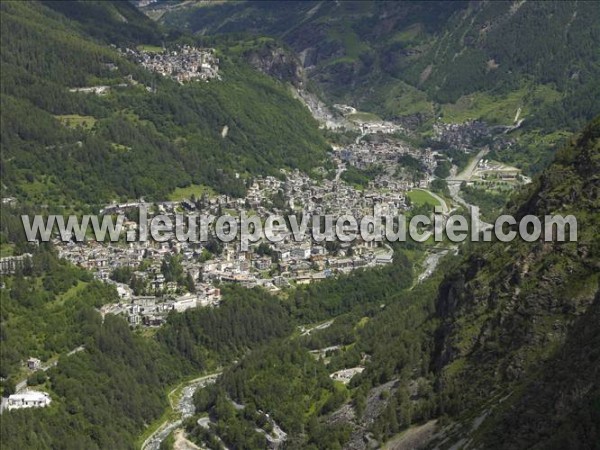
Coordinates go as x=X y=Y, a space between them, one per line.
x=28 y=399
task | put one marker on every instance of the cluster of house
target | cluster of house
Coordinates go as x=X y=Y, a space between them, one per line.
x=182 y=64
x=145 y=260
x=208 y=262
x=152 y=311
x=462 y=136
x=386 y=155
x=304 y=195
x=272 y=265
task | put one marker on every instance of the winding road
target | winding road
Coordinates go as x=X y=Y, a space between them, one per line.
x=454 y=182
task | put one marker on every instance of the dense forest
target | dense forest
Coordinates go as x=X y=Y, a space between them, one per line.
x=43 y=307
x=106 y=382
x=103 y=396
x=249 y=324
x=62 y=147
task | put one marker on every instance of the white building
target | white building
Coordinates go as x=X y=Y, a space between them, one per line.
x=300 y=252
x=28 y=399
x=185 y=302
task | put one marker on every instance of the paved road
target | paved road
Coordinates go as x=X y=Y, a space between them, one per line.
x=455 y=181
x=467 y=173
x=442 y=202
x=306 y=329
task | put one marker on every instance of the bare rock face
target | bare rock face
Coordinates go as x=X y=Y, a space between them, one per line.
x=275 y=61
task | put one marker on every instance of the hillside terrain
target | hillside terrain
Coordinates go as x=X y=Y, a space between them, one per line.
x=446 y=50
x=492 y=345
x=517 y=335
x=418 y=62
x=66 y=147
x=500 y=352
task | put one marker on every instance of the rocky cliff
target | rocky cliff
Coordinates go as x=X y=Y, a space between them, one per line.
x=517 y=347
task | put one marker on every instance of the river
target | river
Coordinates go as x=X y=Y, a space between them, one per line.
x=185 y=408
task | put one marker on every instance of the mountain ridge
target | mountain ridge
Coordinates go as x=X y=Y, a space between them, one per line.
x=446 y=49
x=513 y=313
x=528 y=63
